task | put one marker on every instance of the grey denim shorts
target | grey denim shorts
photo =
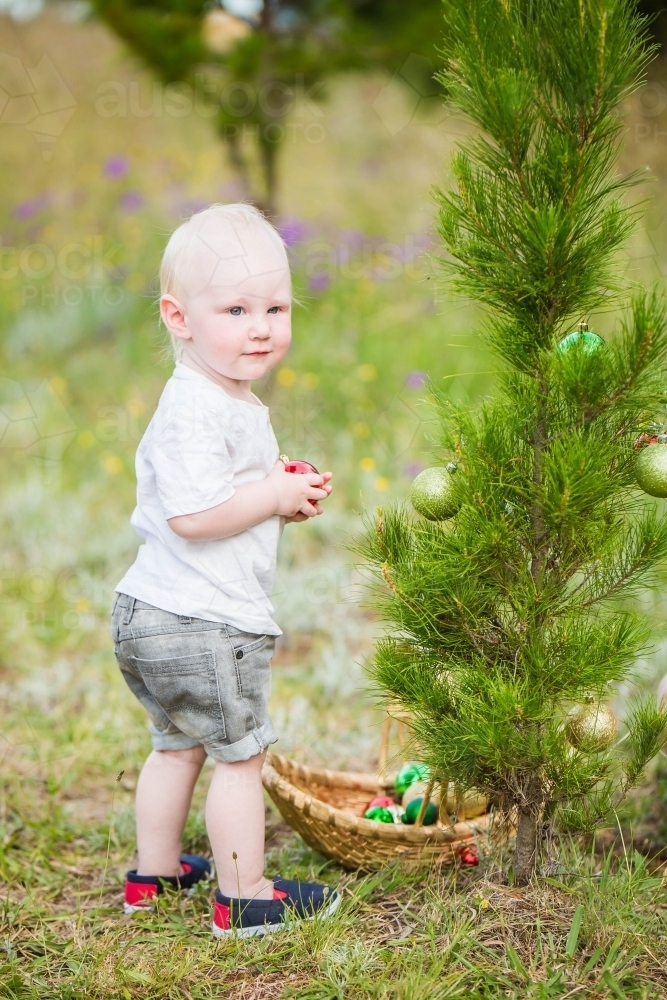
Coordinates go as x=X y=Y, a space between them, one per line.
x=202 y=683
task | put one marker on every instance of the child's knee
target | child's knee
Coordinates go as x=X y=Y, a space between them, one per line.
x=253 y=763
x=191 y=755
x=240 y=774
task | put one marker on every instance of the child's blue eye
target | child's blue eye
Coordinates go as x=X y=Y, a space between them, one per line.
x=235 y=310
x=273 y=309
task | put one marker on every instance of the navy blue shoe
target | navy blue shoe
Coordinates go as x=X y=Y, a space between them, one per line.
x=254 y=917
x=141 y=890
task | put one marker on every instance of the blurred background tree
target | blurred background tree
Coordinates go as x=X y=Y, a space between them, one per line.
x=257 y=63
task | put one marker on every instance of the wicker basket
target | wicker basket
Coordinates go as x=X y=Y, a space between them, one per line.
x=327 y=809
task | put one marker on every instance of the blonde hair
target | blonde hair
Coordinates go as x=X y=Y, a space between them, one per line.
x=179 y=260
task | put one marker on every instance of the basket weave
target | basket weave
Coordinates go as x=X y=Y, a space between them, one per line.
x=327 y=809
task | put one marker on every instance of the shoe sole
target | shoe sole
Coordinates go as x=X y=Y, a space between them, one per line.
x=130 y=908
x=261 y=929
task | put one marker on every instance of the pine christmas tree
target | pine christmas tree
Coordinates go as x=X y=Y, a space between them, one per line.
x=515 y=611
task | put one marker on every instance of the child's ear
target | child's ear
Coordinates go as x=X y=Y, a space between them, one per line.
x=173 y=317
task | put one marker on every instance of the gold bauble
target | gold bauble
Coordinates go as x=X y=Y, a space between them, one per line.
x=417 y=790
x=472 y=803
x=591 y=727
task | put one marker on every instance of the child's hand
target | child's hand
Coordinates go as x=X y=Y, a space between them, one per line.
x=295 y=492
x=315 y=507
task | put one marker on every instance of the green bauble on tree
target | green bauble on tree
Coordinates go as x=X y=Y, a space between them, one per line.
x=434 y=495
x=583 y=339
x=651 y=469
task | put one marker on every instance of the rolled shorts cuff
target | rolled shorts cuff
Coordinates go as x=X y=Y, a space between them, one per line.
x=172 y=741
x=251 y=744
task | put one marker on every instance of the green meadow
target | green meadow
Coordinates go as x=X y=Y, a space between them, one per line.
x=83 y=219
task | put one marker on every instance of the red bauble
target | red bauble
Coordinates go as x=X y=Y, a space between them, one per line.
x=646 y=439
x=468 y=856
x=381 y=802
x=300 y=468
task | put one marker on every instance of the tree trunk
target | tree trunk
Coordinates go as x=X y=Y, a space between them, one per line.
x=269 y=156
x=239 y=164
x=525 y=853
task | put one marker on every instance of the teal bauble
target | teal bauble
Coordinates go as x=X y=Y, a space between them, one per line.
x=433 y=493
x=585 y=339
x=651 y=470
x=407 y=776
x=379 y=815
x=412 y=811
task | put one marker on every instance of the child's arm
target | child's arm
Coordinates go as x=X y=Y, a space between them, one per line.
x=280 y=493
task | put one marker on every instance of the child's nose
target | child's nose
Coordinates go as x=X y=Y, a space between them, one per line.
x=261 y=328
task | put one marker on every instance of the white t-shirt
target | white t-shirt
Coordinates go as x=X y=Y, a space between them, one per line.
x=200 y=445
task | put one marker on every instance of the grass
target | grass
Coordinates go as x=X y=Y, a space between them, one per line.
x=83 y=364
x=397 y=934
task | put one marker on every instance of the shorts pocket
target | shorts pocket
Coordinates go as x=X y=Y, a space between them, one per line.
x=186 y=688
x=244 y=644
x=253 y=675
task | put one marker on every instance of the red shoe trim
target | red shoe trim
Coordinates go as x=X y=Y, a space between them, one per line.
x=186 y=868
x=221 y=916
x=280 y=894
x=139 y=893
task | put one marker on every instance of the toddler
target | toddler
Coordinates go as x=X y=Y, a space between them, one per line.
x=192 y=623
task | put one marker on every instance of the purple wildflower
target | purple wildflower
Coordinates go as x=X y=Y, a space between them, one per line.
x=415 y=380
x=319 y=282
x=292 y=230
x=131 y=201
x=116 y=167
x=190 y=206
x=413 y=469
x=353 y=237
x=27 y=209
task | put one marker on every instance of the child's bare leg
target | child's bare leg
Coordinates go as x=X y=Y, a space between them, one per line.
x=235 y=825
x=164 y=794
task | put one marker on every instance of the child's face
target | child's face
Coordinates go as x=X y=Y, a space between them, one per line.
x=236 y=319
